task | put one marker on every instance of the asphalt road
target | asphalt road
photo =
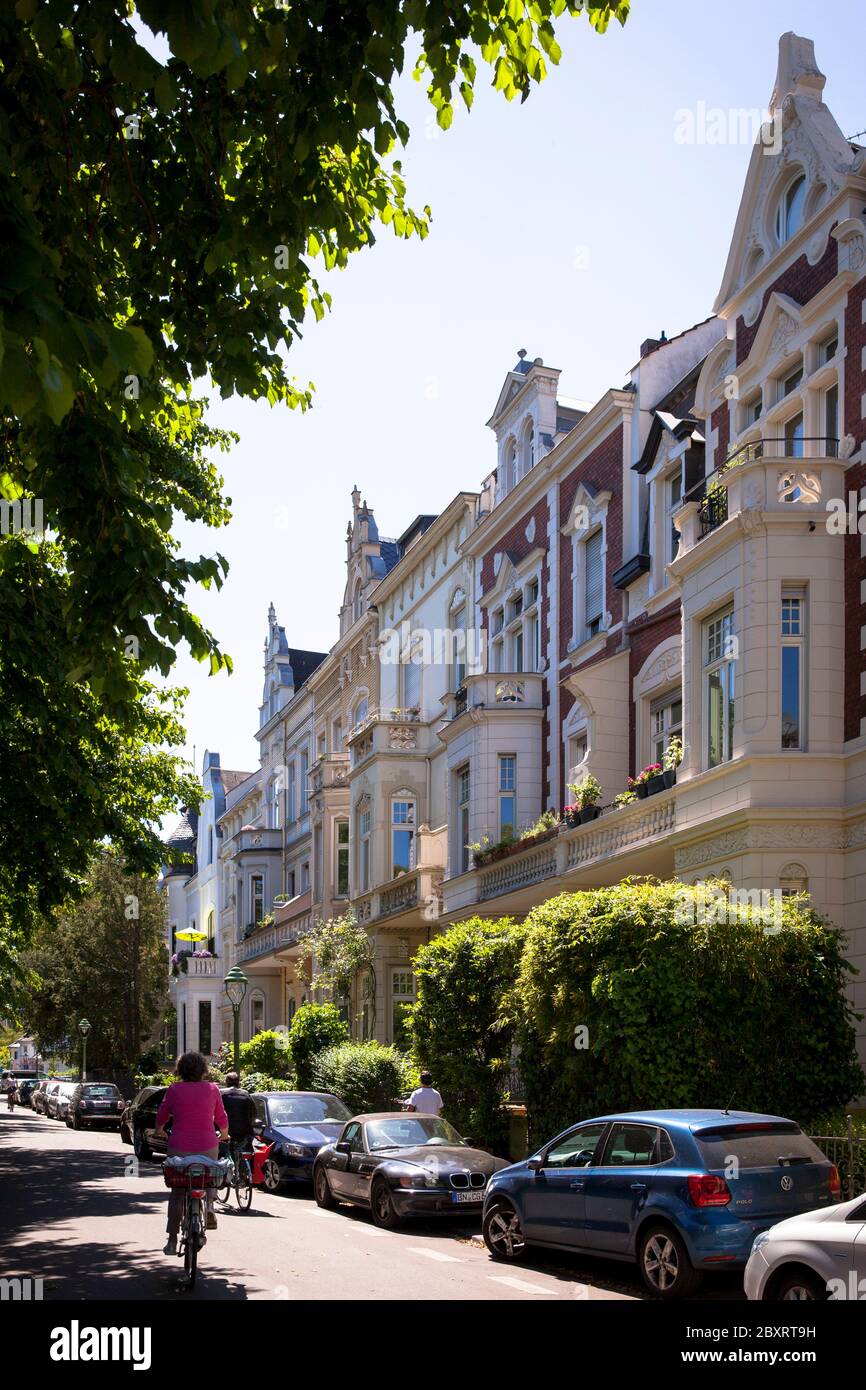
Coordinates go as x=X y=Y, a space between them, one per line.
x=78 y=1211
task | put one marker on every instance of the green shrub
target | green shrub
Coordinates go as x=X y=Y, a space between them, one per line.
x=259 y=1081
x=314 y=1027
x=459 y=1024
x=680 y=1010
x=365 y=1075
x=157 y=1078
x=268 y=1052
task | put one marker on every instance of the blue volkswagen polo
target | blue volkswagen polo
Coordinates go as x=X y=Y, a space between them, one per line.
x=677 y=1191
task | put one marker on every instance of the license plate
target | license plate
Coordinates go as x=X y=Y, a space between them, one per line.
x=476 y=1195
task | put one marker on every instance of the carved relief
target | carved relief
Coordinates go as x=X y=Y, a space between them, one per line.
x=509 y=692
x=403 y=738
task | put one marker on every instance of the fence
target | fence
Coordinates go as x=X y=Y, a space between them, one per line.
x=848 y=1152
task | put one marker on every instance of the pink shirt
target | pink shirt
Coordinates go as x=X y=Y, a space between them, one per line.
x=195 y=1109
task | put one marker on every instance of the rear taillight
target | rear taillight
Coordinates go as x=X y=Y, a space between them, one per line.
x=706 y=1190
x=835 y=1183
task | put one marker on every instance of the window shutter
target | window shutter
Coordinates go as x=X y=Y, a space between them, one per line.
x=594 y=577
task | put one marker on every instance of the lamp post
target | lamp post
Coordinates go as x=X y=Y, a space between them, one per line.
x=84 y=1029
x=236 y=987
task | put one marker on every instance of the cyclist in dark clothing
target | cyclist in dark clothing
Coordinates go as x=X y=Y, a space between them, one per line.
x=241 y=1111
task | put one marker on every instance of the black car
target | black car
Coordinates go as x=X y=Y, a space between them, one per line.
x=24 y=1090
x=94 y=1103
x=402 y=1165
x=138 y=1122
x=298 y=1124
x=37 y=1097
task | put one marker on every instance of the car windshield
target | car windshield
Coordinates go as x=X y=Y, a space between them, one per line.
x=306 y=1110
x=101 y=1092
x=413 y=1132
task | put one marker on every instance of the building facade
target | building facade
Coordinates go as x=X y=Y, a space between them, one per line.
x=682 y=559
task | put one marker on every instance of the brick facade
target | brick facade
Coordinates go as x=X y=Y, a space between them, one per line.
x=800 y=282
x=855 y=479
x=645 y=634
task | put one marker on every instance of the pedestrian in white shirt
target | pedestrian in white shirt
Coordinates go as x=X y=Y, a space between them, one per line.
x=426 y=1099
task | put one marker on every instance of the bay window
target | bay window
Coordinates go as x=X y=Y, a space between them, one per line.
x=719 y=686
x=666 y=720
x=402 y=836
x=464 y=787
x=507 y=795
x=364 y=826
x=341 y=875
x=793 y=635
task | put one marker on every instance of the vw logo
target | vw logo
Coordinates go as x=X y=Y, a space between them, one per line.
x=787 y=1184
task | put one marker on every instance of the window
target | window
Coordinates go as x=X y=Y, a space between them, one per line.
x=402 y=836
x=257 y=1015
x=361 y=710
x=210 y=844
x=205 y=1035
x=666 y=719
x=517 y=649
x=828 y=349
x=791 y=381
x=318 y=865
x=290 y=884
x=458 y=629
x=464 y=787
x=578 y=747
x=789 y=217
x=305 y=876
x=402 y=998
x=507 y=795
x=793 y=879
x=257 y=898
x=410 y=669
x=342 y=869
x=576 y=1149
x=290 y=795
x=831 y=420
x=630 y=1146
x=752 y=409
x=528 y=447
x=364 y=823
x=305 y=769
x=337 y=736
x=357 y=602
x=673 y=501
x=211 y=933
x=593 y=584
x=793 y=635
x=510 y=466
x=322 y=746
x=794 y=437
x=719 y=686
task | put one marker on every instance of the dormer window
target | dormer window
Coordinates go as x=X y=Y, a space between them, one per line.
x=789 y=215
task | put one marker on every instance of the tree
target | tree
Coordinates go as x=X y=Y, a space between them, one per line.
x=333 y=954
x=460 y=1025
x=160 y=224
x=105 y=960
x=314 y=1027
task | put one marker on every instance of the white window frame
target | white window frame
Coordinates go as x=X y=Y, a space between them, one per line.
x=458 y=613
x=504 y=792
x=598 y=618
x=798 y=641
x=364 y=814
x=784 y=231
x=661 y=732
x=304 y=776
x=341 y=851
x=408 y=826
x=463 y=802
x=257 y=899
x=723 y=663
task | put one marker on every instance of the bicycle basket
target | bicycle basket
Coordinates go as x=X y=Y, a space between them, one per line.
x=195 y=1172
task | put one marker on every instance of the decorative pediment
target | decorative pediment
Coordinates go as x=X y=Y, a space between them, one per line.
x=587 y=510
x=508 y=572
x=779 y=324
x=800 y=136
x=662 y=667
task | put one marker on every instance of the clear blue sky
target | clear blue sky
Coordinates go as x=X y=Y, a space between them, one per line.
x=574 y=226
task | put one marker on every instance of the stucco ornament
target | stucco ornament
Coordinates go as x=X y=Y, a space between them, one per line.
x=509 y=692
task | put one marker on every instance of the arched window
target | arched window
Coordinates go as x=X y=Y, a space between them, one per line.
x=789 y=216
x=357 y=601
x=528 y=447
x=793 y=879
x=510 y=465
x=362 y=709
x=211 y=933
x=402 y=833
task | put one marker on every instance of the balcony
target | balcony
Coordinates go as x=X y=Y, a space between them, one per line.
x=632 y=839
x=419 y=892
x=197 y=967
x=331 y=770
x=764 y=479
x=496 y=690
x=274 y=939
x=390 y=732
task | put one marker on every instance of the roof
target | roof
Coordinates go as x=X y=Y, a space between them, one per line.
x=304 y=664
x=693 y=1119
x=230 y=779
x=392 y=1115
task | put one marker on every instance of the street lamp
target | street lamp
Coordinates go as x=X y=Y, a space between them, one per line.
x=84 y=1029
x=236 y=987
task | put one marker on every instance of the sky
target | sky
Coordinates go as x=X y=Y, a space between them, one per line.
x=574 y=226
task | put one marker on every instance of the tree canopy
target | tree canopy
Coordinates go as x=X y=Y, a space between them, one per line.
x=164 y=222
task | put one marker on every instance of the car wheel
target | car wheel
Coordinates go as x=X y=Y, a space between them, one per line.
x=140 y=1145
x=799 y=1286
x=664 y=1262
x=382 y=1207
x=272 y=1175
x=322 y=1190
x=502 y=1233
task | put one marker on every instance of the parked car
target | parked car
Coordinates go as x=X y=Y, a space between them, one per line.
x=58 y=1101
x=403 y=1165
x=49 y=1095
x=809 y=1258
x=298 y=1124
x=94 y=1103
x=138 y=1122
x=37 y=1097
x=678 y=1191
x=24 y=1090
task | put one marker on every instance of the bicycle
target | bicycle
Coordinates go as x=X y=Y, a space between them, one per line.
x=239 y=1175
x=195 y=1177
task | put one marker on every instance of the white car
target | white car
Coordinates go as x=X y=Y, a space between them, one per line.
x=820 y=1255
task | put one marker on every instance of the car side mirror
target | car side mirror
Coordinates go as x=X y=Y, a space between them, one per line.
x=343 y=1147
x=535 y=1165
x=468 y=1141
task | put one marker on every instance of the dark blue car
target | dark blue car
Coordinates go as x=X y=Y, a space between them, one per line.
x=297 y=1123
x=678 y=1191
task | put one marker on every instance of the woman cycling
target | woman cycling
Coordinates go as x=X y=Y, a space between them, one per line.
x=194 y=1106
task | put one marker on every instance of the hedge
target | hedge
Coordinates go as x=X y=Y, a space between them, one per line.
x=365 y=1075
x=681 y=1010
x=459 y=1027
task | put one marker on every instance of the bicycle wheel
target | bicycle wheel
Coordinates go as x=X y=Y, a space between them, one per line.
x=193 y=1234
x=243 y=1186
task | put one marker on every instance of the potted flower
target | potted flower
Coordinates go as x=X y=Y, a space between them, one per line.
x=625 y=798
x=638 y=785
x=673 y=758
x=655 y=778
x=586 y=795
x=571 y=814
